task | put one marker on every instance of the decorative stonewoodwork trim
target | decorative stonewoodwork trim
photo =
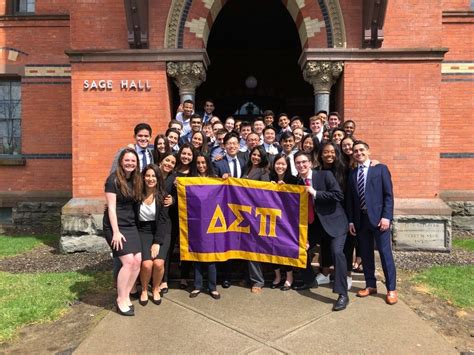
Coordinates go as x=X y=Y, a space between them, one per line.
x=463 y=155
x=136 y=12
x=322 y=75
x=47 y=71
x=172 y=24
x=385 y=54
x=457 y=13
x=373 y=19
x=178 y=13
x=338 y=29
x=53 y=17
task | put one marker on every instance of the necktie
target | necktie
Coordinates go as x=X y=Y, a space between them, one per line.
x=307 y=182
x=144 y=159
x=361 y=187
x=234 y=167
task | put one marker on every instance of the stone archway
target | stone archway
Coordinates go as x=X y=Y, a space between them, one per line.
x=303 y=15
x=189 y=23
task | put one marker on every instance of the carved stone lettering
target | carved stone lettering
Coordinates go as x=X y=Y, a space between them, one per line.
x=421 y=235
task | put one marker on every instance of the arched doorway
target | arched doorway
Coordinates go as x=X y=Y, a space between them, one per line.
x=256 y=39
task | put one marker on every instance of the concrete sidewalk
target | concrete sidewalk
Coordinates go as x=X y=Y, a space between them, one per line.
x=269 y=323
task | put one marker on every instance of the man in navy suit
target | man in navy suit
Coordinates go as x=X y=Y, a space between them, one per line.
x=327 y=219
x=229 y=166
x=370 y=212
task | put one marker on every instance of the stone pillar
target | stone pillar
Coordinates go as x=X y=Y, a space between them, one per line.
x=187 y=76
x=322 y=75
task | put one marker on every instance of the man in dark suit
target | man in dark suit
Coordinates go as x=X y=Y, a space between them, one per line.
x=229 y=166
x=370 y=212
x=326 y=219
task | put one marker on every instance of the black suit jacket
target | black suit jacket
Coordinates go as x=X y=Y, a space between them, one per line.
x=327 y=203
x=378 y=196
x=222 y=167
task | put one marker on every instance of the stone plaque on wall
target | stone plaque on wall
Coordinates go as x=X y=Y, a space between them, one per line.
x=422 y=233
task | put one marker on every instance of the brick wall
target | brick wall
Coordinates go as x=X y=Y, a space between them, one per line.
x=413 y=23
x=396 y=108
x=98 y=25
x=456 y=4
x=103 y=121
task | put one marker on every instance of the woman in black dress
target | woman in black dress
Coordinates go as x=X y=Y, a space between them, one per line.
x=167 y=165
x=280 y=173
x=155 y=232
x=184 y=162
x=123 y=192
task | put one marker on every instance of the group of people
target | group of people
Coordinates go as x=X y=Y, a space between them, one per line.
x=350 y=200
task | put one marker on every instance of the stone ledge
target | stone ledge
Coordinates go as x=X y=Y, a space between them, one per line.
x=457 y=195
x=139 y=55
x=421 y=206
x=12 y=198
x=383 y=54
x=84 y=206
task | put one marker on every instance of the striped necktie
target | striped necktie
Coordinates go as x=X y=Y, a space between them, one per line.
x=361 y=187
x=144 y=159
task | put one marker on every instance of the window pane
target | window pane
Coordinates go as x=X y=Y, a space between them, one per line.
x=4 y=90
x=16 y=90
x=10 y=117
x=25 y=6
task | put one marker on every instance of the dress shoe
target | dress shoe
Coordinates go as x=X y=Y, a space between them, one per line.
x=164 y=290
x=275 y=285
x=304 y=287
x=366 y=292
x=134 y=295
x=194 y=293
x=156 y=301
x=129 y=312
x=341 y=303
x=183 y=285
x=285 y=288
x=143 y=303
x=321 y=279
x=216 y=295
x=392 y=297
x=226 y=284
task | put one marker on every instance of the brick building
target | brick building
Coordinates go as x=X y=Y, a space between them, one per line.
x=76 y=76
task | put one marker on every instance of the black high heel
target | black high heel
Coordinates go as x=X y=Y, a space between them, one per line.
x=129 y=313
x=278 y=285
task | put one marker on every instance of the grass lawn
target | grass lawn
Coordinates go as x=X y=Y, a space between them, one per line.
x=452 y=283
x=467 y=244
x=40 y=297
x=10 y=246
x=37 y=298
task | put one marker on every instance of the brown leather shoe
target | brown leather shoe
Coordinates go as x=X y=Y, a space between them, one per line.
x=392 y=297
x=366 y=292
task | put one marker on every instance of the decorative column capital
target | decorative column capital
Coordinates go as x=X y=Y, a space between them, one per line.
x=186 y=75
x=322 y=75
